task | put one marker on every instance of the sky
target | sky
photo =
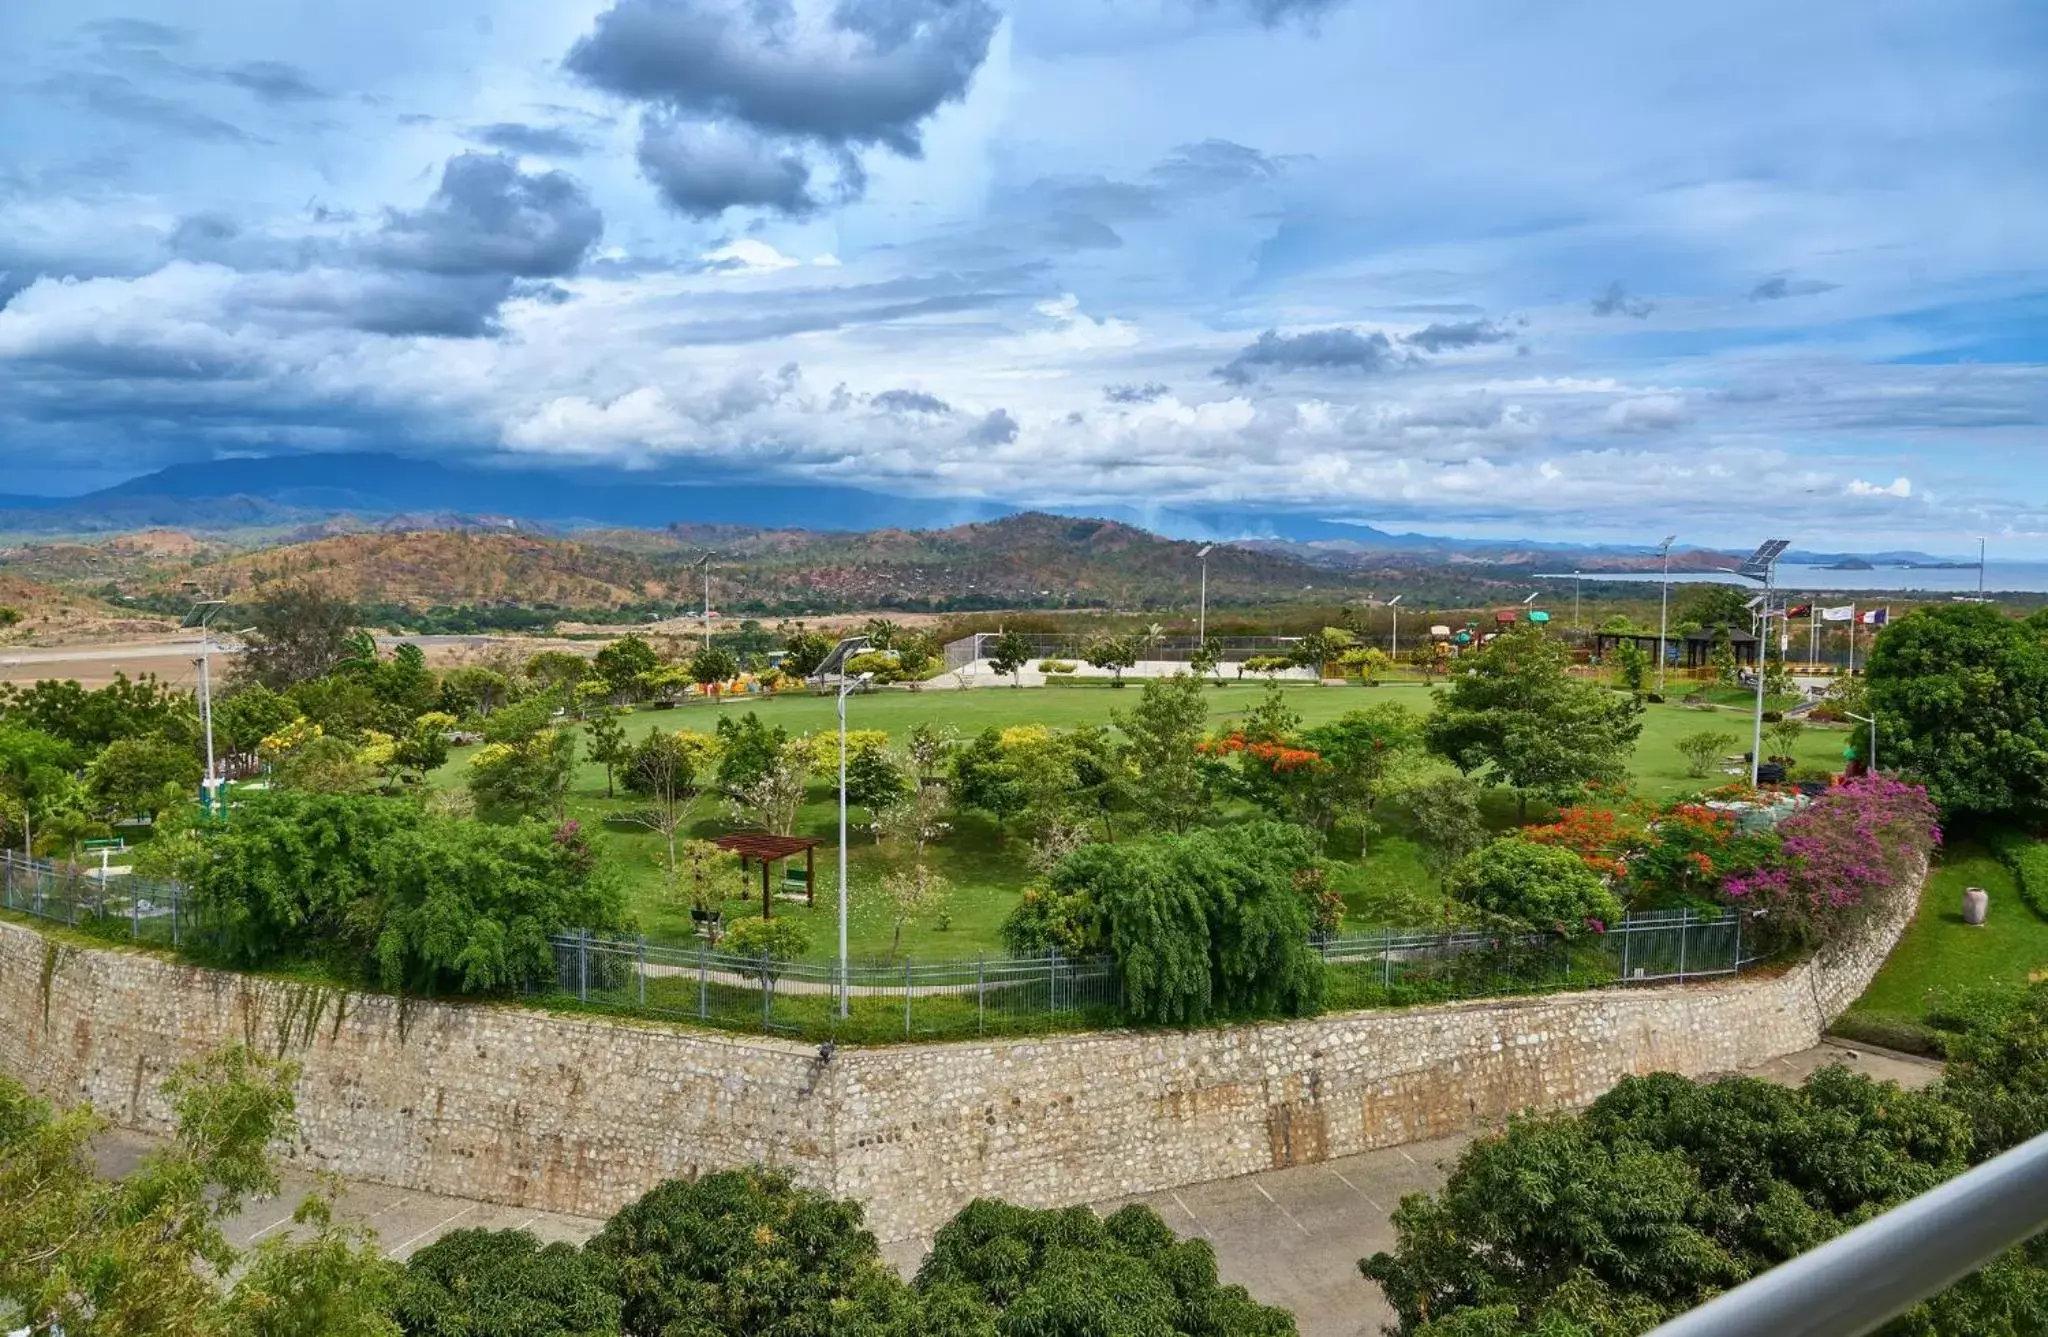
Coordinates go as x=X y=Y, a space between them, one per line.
x=1568 y=270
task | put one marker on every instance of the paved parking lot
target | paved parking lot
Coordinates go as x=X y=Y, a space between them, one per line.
x=1292 y=1237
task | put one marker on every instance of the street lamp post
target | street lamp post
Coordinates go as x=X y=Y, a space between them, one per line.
x=1664 y=608
x=1202 y=608
x=1870 y=720
x=705 y=563
x=845 y=688
x=1394 y=645
x=205 y=611
x=1575 y=598
x=1760 y=565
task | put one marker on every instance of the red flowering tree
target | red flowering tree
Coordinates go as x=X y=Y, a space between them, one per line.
x=1854 y=847
x=1599 y=836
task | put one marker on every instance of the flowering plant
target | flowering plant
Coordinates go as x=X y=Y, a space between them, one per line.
x=1848 y=849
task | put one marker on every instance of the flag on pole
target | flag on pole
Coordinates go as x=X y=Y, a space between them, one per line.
x=1799 y=610
x=1839 y=613
x=1876 y=617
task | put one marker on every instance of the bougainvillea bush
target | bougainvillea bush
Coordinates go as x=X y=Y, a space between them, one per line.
x=1688 y=852
x=1850 y=850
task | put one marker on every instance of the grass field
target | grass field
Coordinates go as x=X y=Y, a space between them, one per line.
x=1388 y=886
x=1939 y=952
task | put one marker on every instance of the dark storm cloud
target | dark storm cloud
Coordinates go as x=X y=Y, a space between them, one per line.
x=273 y=81
x=1438 y=336
x=704 y=168
x=738 y=97
x=542 y=141
x=118 y=98
x=1779 y=287
x=755 y=63
x=1616 y=302
x=998 y=428
x=1317 y=350
x=911 y=401
x=488 y=217
x=1136 y=394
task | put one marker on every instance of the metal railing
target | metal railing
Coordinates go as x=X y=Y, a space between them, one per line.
x=1857 y=1282
x=909 y=997
x=139 y=908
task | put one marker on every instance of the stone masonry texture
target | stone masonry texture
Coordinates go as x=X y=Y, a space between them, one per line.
x=580 y=1115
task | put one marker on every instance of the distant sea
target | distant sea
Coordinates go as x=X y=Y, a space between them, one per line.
x=1999 y=578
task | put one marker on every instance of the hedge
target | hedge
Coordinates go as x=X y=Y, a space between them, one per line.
x=2028 y=860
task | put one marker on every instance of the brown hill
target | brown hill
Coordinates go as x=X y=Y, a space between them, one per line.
x=51 y=614
x=424 y=568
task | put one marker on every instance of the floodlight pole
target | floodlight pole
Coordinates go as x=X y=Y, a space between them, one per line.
x=1394 y=645
x=845 y=687
x=207 y=609
x=1763 y=627
x=1575 y=598
x=705 y=562
x=1202 y=608
x=1663 y=609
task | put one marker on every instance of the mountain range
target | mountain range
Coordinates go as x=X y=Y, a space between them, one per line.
x=288 y=492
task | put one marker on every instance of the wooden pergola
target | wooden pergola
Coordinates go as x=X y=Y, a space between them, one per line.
x=771 y=850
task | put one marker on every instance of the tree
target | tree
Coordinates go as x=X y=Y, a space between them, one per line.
x=1168 y=788
x=1516 y=718
x=1960 y=693
x=772 y=799
x=1785 y=735
x=874 y=781
x=909 y=891
x=803 y=651
x=604 y=742
x=128 y=778
x=1703 y=749
x=319 y=763
x=470 y=907
x=1069 y=1273
x=1201 y=925
x=1448 y=823
x=1534 y=886
x=90 y=720
x=1206 y=661
x=1722 y=658
x=663 y=767
x=746 y=1252
x=914 y=655
x=144 y=1255
x=712 y=666
x=505 y=1283
x=986 y=778
x=297 y=633
x=1997 y=1072
x=424 y=747
x=557 y=670
x=747 y=749
x=1114 y=654
x=1363 y=754
x=473 y=691
x=1631 y=666
x=1714 y=605
x=706 y=877
x=1663 y=1193
x=511 y=781
x=1008 y=654
x=622 y=662
x=243 y=718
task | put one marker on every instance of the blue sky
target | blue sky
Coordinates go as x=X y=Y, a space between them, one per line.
x=1471 y=266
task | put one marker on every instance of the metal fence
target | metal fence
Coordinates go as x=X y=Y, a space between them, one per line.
x=899 y=998
x=1164 y=649
x=909 y=998
x=120 y=905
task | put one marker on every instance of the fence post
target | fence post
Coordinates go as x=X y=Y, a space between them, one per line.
x=175 y=909
x=1737 y=965
x=134 y=916
x=703 y=986
x=1626 y=933
x=980 y=995
x=643 y=972
x=1684 y=932
x=1386 y=961
x=582 y=965
x=906 y=998
x=765 y=995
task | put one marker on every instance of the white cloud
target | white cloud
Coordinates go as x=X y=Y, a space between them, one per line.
x=1898 y=487
x=751 y=254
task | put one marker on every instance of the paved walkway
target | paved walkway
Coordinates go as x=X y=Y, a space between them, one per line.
x=1292 y=1237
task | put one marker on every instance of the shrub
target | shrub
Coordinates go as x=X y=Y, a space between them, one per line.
x=2028 y=860
x=1773 y=716
x=1849 y=849
x=504 y=1283
x=1056 y=666
x=1536 y=886
x=780 y=940
x=1701 y=750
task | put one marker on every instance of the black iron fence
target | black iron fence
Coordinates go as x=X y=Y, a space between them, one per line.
x=908 y=998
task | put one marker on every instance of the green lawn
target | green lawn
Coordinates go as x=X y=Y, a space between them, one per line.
x=1389 y=886
x=1939 y=952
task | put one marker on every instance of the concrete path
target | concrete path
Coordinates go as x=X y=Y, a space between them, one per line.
x=1292 y=1237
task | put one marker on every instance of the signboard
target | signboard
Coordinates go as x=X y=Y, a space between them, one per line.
x=1538 y=615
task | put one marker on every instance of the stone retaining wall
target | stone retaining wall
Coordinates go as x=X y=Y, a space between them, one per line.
x=578 y=1115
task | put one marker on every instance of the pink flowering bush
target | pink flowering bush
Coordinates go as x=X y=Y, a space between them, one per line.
x=1845 y=852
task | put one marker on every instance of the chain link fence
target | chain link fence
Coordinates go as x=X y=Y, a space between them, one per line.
x=908 y=998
